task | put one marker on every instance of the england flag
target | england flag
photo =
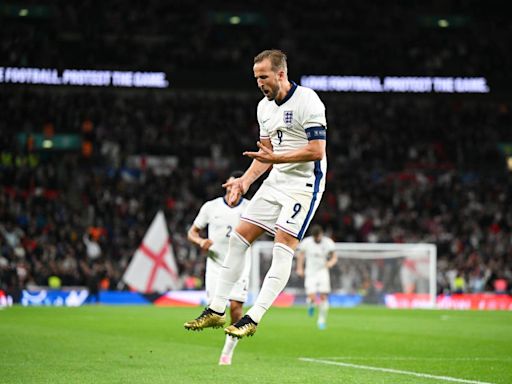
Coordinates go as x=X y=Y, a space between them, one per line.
x=153 y=267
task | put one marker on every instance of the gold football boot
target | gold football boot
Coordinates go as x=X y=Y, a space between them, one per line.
x=243 y=327
x=207 y=319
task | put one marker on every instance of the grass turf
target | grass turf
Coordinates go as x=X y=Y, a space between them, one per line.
x=107 y=344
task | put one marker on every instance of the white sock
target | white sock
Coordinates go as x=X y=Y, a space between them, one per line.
x=275 y=280
x=323 y=309
x=230 y=272
x=229 y=345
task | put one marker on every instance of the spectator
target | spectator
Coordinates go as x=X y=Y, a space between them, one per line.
x=398 y=175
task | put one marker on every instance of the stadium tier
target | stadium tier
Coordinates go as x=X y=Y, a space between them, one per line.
x=403 y=169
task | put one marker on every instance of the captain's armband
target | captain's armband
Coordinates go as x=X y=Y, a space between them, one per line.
x=316 y=133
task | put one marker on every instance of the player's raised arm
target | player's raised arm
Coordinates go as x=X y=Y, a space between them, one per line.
x=314 y=150
x=257 y=168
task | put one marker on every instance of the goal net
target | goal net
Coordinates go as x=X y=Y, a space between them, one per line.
x=372 y=273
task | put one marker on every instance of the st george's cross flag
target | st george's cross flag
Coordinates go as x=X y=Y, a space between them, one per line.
x=153 y=267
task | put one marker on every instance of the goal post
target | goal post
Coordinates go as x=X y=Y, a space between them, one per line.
x=381 y=268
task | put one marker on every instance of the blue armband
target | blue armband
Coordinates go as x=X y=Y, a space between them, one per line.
x=316 y=133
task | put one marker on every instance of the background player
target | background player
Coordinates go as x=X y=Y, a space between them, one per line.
x=318 y=252
x=292 y=142
x=221 y=218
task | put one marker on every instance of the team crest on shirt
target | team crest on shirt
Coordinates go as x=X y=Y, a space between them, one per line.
x=288 y=117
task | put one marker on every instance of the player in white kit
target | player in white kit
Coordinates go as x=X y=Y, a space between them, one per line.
x=318 y=253
x=292 y=143
x=221 y=218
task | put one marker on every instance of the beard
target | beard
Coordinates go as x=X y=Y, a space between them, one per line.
x=271 y=93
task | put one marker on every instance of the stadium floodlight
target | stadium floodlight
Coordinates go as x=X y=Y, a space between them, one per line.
x=443 y=23
x=376 y=271
x=234 y=20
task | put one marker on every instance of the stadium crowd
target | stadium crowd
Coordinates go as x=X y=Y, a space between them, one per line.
x=401 y=169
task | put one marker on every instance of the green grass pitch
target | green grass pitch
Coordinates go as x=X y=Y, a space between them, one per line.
x=109 y=344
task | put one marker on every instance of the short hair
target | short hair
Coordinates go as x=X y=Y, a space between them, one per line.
x=236 y=174
x=277 y=59
x=316 y=230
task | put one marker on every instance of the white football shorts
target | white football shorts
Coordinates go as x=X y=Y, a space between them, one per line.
x=317 y=282
x=241 y=287
x=273 y=208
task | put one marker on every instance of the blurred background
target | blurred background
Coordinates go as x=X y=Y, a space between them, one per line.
x=84 y=169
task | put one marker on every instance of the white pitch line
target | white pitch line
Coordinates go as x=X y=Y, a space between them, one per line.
x=390 y=370
x=410 y=358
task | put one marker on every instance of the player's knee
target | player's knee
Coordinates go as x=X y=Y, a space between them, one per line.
x=248 y=231
x=285 y=238
x=237 y=240
x=237 y=248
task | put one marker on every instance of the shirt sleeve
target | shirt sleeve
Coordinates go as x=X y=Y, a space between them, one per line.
x=203 y=217
x=263 y=131
x=313 y=117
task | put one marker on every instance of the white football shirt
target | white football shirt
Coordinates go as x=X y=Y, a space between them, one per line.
x=289 y=124
x=316 y=254
x=221 y=220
